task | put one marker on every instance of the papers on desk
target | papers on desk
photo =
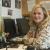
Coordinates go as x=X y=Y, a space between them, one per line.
x=16 y=39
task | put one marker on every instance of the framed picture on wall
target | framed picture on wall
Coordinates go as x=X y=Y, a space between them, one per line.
x=9 y=12
x=18 y=4
x=6 y=3
x=30 y=4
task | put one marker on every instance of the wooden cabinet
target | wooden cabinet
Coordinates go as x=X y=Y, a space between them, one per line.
x=38 y=1
x=24 y=8
x=26 y=12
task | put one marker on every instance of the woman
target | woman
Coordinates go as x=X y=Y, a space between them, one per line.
x=39 y=33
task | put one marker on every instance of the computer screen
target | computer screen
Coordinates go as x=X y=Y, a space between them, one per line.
x=23 y=26
x=9 y=26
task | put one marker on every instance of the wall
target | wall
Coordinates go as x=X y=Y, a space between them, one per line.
x=16 y=13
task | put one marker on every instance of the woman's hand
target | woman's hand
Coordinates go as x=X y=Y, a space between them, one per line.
x=7 y=34
x=30 y=34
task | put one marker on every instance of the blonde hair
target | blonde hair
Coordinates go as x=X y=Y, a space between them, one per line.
x=45 y=12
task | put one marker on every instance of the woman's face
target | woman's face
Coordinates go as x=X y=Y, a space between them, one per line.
x=38 y=15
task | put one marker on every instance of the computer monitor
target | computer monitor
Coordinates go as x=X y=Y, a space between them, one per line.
x=23 y=26
x=9 y=26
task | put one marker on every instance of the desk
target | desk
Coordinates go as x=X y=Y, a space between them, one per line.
x=21 y=47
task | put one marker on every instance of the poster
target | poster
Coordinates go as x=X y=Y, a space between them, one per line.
x=6 y=3
x=17 y=4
